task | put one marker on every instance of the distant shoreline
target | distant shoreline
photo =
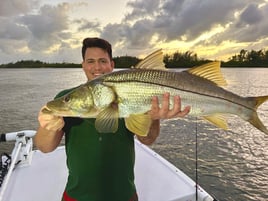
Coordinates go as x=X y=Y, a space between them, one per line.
x=188 y=59
x=80 y=66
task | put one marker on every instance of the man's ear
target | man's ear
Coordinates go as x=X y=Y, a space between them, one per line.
x=83 y=65
x=112 y=64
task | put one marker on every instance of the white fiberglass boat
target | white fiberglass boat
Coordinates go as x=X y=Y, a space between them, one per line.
x=30 y=175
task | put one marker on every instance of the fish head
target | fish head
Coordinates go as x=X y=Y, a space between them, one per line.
x=77 y=103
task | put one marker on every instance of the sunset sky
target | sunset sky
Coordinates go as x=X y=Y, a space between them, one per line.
x=52 y=30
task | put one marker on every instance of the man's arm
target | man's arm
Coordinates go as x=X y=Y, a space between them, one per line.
x=164 y=112
x=49 y=133
x=152 y=134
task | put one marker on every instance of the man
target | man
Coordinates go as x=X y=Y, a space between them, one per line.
x=101 y=165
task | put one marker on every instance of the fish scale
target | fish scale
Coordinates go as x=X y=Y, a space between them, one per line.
x=135 y=97
x=182 y=82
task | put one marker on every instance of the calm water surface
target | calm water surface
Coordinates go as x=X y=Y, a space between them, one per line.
x=232 y=165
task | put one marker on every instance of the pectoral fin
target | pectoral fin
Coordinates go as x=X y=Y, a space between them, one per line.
x=139 y=123
x=218 y=120
x=107 y=120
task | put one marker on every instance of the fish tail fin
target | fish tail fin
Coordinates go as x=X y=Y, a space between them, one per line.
x=254 y=119
x=260 y=100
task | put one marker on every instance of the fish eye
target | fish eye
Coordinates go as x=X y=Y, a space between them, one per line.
x=66 y=99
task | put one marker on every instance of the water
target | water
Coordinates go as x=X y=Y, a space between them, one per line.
x=232 y=165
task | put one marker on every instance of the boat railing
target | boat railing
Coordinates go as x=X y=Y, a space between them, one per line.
x=21 y=154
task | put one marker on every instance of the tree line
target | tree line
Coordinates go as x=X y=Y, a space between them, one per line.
x=38 y=64
x=177 y=59
x=249 y=58
x=244 y=58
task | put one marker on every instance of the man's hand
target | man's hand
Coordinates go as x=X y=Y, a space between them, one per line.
x=50 y=122
x=49 y=133
x=164 y=112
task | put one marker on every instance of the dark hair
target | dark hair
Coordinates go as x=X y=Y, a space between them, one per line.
x=96 y=42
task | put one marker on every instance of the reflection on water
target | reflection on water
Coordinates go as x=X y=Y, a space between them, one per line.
x=232 y=165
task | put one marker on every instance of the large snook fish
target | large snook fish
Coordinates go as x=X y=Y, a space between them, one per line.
x=128 y=94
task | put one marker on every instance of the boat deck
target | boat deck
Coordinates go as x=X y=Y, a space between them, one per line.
x=156 y=179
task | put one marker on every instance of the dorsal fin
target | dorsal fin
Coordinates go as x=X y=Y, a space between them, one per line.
x=210 y=71
x=152 y=61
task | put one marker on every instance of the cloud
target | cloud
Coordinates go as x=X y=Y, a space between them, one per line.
x=167 y=21
x=197 y=17
x=85 y=25
x=11 y=30
x=250 y=26
x=16 y=7
x=41 y=29
x=251 y=15
x=47 y=27
x=142 y=9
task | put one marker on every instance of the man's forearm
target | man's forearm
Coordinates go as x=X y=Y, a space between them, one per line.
x=152 y=134
x=47 y=141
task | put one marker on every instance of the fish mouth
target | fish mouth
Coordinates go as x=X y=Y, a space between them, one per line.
x=49 y=109
x=46 y=110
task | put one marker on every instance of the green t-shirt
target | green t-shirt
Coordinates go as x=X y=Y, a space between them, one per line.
x=101 y=165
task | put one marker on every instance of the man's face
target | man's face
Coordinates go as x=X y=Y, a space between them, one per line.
x=97 y=62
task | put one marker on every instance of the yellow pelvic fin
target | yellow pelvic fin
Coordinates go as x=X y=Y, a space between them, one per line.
x=139 y=124
x=107 y=120
x=210 y=71
x=152 y=61
x=218 y=120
